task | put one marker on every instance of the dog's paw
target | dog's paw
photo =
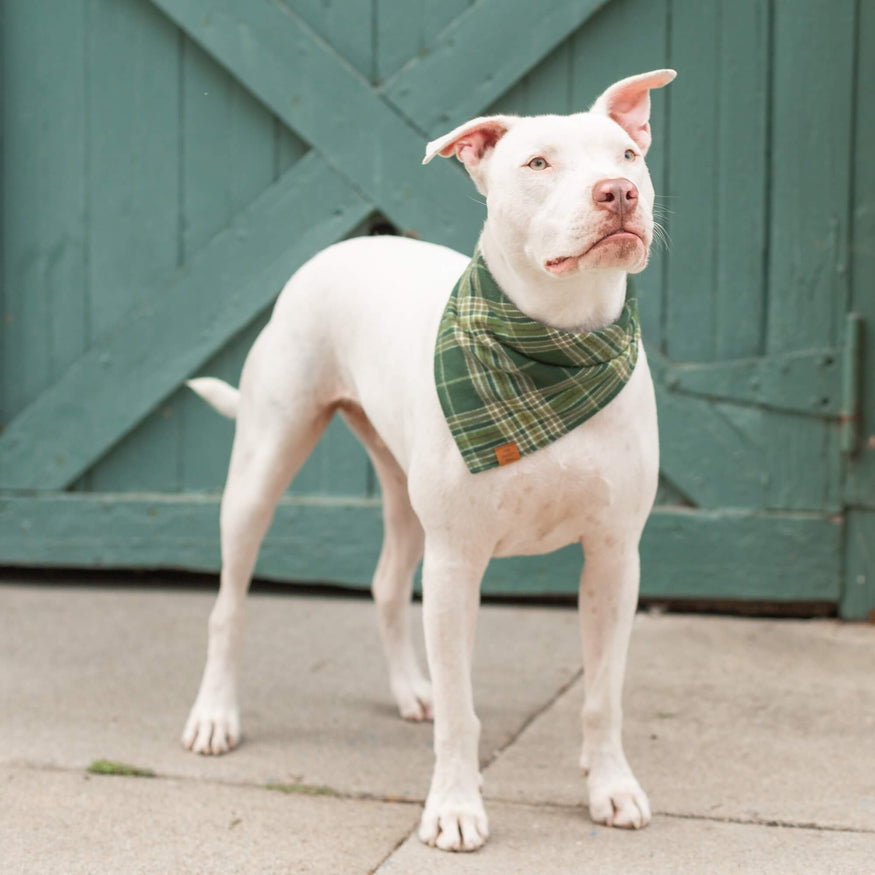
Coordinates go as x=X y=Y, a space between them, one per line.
x=616 y=798
x=211 y=729
x=414 y=698
x=454 y=825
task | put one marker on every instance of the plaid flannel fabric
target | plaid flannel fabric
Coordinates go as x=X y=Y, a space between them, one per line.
x=509 y=385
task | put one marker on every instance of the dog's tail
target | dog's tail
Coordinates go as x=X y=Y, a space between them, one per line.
x=219 y=394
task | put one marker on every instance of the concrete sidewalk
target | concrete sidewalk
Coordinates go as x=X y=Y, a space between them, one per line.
x=754 y=739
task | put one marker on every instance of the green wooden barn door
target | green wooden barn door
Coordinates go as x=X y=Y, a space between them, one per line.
x=170 y=163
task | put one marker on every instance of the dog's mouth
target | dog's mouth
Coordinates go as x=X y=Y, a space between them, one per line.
x=566 y=263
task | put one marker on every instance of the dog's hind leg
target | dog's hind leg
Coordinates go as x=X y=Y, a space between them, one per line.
x=271 y=443
x=393 y=579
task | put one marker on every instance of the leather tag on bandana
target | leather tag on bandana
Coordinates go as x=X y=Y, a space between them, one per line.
x=507 y=453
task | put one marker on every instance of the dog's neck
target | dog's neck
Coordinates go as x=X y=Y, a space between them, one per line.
x=587 y=301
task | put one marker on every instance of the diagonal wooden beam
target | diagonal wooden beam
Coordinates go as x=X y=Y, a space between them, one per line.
x=297 y=75
x=123 y=376
x=500 y=40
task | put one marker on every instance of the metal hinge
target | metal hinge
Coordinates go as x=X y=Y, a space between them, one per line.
x=852 y=358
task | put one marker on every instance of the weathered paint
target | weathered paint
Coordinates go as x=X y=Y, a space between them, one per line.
x=685 y=553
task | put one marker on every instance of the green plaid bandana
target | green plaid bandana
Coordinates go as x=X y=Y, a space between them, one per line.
x=509 y=385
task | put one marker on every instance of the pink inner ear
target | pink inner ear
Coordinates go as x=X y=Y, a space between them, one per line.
x=629 y=107
x=472 y=145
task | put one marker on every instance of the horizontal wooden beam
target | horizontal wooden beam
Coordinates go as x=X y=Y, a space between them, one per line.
x=500 y=41
x=124 y=375
x=298 y=76
x=685 y=554
x=806 y=383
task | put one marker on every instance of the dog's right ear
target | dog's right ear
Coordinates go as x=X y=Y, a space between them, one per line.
x=472 y=143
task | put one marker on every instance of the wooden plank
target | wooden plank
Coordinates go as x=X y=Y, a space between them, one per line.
x=712 y=463
x=309 y=537
x=133 y=114
x=93 y=405
x=725 y=455
x=812 y=123
x=860 y=477
x=548 y=87
x=742 y=184
x=808 y=382
x=406 y=28
x=685 y=554
x=500 y=40
x=229 y=148
x=690 y=317
x=348 y=27
x=279 y=58
x=44 y=316
x=858 y=592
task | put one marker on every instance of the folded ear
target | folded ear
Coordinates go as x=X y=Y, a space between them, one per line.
x=627 y=102
x=471 y=143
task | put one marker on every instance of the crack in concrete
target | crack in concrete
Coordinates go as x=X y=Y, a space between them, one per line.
x=300 y=788
x=560 y=692
x=741 y=821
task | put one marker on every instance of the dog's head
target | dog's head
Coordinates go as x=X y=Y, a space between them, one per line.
x=569 y=193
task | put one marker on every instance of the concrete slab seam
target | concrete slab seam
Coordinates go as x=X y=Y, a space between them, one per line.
x=738 y=821
x=300 y=789
x=563 y=689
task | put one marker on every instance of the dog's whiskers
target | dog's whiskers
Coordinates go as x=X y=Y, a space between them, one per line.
x=660 y=235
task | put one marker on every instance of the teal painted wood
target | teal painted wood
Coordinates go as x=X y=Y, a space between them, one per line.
x=229 y=156
x=742 y=179
x=58 y=436
x=719 y=454
x=133 y=113
x=810 y=169
x=348 y=27
x=499 y=40
x=434 y=203
x=690 y=314
x=44 y=324
x=808 y=383
x=860 y=473
x=719 y=185
x=685 y=554
x=405 y=29
x=858 y=591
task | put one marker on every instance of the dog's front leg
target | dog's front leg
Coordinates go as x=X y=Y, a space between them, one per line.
x=608 y=598
x=454 y=818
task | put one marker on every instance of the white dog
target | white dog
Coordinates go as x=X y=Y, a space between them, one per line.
x=570 y=205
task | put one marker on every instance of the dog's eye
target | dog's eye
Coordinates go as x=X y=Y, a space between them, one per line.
x=629 y=155
x=538 y=163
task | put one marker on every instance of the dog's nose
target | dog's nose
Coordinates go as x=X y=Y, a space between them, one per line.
x=615 y=195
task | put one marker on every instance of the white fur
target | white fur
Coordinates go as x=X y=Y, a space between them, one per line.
x=223 y=397
x=354 y=331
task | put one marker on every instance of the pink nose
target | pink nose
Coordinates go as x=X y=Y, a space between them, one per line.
x=615 y=195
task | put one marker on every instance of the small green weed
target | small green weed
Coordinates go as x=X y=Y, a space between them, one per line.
x=108 y=767
x=303 y=789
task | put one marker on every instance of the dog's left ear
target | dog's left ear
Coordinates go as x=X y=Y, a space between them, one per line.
x=627 y=102
x=472 y=143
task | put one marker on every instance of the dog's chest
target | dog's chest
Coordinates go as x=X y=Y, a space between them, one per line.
x=601 y=476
